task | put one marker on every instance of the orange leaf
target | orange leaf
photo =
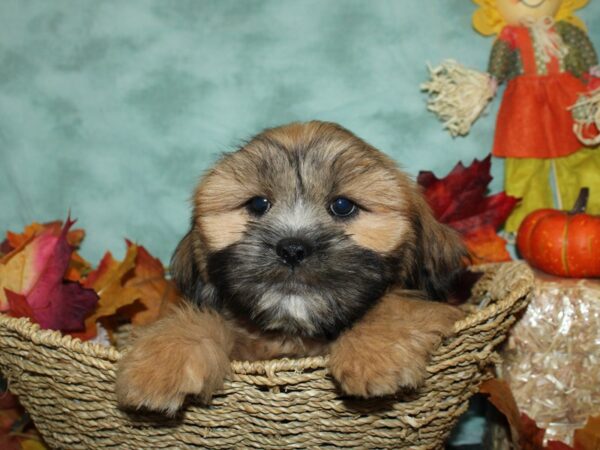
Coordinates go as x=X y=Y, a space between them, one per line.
x=155 y=292
x=108 y=282
x=18 y=305
x=74 y=237
x=485 y=245
x=525 y=433
x=78 y=268
x=502 y=398
x=588 y=437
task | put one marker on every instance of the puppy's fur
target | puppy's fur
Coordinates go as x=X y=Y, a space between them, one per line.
x=359 y=294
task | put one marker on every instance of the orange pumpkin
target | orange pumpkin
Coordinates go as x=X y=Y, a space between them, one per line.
x=564 y=243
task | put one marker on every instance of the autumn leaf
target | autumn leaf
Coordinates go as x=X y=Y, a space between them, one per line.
x=492 y=211
x=15 y=241
x=8 y=416
x=532 y=437
x=32 y=283
x=451 y=197
x=588 y=437
x=16 y=428
x=108 y=282
x=502 y=398
x=9 y=442
x=155 y=292
x=460 y=200
x=485 y=245
x=525 y=433
x=4 y=248
x=32 y=444
x=18 y=306
x=133 y=290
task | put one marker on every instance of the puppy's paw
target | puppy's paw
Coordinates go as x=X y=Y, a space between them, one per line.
x=158 y=375
x=376 y=370
x=376 y=359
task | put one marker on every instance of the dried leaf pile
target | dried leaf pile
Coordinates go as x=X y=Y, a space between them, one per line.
x=16 y=429
x=43 y=277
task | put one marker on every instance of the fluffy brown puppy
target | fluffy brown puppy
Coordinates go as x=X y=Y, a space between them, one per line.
x=306 y=241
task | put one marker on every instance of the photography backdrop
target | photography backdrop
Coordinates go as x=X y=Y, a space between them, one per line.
x=112 y=109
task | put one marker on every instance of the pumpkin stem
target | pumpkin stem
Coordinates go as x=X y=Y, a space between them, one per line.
x=581 y=202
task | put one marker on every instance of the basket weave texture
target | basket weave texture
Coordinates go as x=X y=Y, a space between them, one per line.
x=68 y=389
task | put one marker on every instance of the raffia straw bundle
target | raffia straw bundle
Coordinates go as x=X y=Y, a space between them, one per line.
x=457 y=95
x=552 y=356
x=586 y=113
x=67 y=387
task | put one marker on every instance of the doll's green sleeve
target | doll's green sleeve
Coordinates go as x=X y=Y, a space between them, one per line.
x=582 y=55
x=503 y=61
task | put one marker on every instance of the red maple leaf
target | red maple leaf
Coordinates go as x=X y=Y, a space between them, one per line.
x=460 y=200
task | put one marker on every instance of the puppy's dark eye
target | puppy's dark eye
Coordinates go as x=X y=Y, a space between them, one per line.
x=258 y=205
x=342 y=207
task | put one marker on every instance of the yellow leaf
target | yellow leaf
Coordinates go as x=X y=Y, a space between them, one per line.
x=32 y=444
x=108 y=280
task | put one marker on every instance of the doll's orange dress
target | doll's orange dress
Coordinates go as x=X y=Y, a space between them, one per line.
x=534 y=120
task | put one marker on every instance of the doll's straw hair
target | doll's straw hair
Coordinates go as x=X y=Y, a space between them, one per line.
x=488 y=21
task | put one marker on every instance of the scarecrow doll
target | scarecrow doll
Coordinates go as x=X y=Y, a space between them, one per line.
x=544 y=55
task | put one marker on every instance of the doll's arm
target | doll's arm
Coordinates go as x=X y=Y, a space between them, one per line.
x=459 y=95
x=503 y=60
x=582 y=56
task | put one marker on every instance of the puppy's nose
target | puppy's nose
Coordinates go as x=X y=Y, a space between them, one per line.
x=292 y=250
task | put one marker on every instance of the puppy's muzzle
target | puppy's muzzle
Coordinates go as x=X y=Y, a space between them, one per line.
x=293 y=251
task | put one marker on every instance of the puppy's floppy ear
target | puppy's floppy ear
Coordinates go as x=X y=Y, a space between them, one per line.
x=440 y=254
x=184 y=268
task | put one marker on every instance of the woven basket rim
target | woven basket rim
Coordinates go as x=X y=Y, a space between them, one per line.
x=52 y=338
x=519 y=287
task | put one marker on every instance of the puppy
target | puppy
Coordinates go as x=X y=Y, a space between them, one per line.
x=306 y=241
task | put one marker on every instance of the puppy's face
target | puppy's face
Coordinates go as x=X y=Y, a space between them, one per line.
x=305 y=227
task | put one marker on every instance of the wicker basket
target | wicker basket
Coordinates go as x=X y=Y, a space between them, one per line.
x=67 y=387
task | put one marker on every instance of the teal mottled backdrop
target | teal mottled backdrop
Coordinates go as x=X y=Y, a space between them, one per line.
x=112 y=109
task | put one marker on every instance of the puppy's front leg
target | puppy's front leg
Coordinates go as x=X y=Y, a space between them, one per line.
x=186 y=352
x=390 y=346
